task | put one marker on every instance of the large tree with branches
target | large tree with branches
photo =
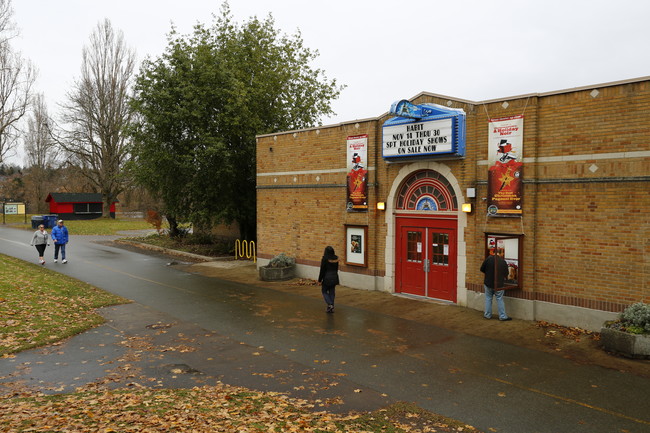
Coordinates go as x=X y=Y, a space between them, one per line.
x=97 y=113
x=202 y=103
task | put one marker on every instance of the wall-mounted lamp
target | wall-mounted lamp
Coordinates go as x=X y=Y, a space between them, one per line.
x=466 y=207
x=381 y=205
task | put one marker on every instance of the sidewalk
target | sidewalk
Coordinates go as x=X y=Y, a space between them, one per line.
x=573 y=344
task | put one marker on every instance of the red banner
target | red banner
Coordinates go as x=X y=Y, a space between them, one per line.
x=505 y=176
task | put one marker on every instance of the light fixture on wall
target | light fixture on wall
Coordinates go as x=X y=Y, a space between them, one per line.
x=466 y=207
x=381 y=205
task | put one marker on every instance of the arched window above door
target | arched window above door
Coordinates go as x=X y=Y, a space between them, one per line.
x=426 y=190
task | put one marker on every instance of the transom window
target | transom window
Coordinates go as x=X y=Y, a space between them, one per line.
x=427 y=190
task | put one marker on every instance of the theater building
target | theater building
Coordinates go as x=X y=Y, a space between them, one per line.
x=413 y=200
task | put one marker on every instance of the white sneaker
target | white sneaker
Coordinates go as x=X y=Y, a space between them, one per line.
x=64 y=261
x=56 y=261
x=42 y=262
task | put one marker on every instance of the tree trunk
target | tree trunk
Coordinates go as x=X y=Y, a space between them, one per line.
x=173 y=226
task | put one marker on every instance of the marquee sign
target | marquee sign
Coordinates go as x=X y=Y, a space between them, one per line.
x=426 y=130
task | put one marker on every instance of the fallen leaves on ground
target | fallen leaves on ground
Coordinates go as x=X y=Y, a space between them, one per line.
x=569 y=332
x=304 y=282
x=219 y=408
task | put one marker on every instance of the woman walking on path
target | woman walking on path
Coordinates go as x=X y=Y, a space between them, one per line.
x=40 y=240
x=329 y=276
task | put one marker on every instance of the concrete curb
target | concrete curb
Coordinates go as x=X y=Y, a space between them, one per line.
x=171 y=252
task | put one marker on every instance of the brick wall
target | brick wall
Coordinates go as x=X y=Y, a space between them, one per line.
x=586 y=222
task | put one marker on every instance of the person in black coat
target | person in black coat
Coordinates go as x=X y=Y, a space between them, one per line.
x=495 y=269
x=329 y=276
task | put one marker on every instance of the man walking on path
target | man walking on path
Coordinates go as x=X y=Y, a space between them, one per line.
x=60 y=238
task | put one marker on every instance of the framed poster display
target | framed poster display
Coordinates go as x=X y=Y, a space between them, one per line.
x=356 y=245
x=511 y=247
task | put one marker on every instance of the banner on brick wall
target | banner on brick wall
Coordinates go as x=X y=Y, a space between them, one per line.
x=357 y=180
x=505 y=174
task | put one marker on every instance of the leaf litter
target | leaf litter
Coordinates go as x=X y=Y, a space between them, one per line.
x=218 y=408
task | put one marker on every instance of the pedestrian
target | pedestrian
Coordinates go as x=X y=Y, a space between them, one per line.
x=495 y=269
x=60 y=238
x=329 y=277
x=40 y=240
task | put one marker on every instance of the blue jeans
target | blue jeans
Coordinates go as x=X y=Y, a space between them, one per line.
x=501 y=306
x=57 y=247
x=329 y=293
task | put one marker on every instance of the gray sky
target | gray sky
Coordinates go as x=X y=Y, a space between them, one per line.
x=383 y=51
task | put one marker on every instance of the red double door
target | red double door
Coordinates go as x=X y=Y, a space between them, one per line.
x=426 y=257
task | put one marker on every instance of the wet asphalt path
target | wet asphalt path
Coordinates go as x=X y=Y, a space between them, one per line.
x=185 y=329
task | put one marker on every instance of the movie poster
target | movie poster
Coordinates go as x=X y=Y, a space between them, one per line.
x=357 y=179
x=505 y=176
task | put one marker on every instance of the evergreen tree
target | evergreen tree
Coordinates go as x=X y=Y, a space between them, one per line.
x=202 y=103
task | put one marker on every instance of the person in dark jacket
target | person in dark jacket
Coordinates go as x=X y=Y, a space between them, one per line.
x=495 y=269
x=329 y=276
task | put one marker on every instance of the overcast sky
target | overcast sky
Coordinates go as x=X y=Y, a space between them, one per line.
x=381 y=50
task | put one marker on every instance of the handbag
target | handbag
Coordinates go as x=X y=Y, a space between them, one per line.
x=331 y=279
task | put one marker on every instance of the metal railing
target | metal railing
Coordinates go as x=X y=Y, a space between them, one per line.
x=245 y=249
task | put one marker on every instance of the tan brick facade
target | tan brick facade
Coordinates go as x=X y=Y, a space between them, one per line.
x=586 y=220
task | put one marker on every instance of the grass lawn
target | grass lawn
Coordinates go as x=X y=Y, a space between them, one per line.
x=39 y=306
x=99 y=226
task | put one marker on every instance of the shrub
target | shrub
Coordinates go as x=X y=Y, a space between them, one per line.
x=637 y=317
x=281 y=261
x=199 y=239
x=155 y=219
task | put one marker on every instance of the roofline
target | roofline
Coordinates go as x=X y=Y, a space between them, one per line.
x=467 y=101
x=101 y=199
x=314 y=128
x=541 y=94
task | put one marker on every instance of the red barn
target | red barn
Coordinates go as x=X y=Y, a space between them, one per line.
x=77 y=205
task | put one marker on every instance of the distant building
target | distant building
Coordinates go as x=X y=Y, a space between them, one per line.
x=77 y=205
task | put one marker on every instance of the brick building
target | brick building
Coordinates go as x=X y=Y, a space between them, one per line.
x=575 y=223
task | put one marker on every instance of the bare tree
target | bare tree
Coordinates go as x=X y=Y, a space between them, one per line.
x=39 y=145
x=7 y=27
x=41 y=154
x=17 y=77
x=97 y=112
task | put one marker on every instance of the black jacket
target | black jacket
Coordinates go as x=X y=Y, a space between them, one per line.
x=488 y=268
x=329 y=271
